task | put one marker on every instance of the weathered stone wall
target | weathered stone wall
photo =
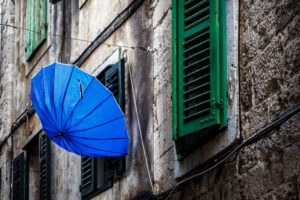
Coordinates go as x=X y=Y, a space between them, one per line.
x=270 y=83
x=269 y=79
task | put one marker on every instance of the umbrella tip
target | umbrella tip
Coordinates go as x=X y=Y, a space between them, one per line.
x=59 y=134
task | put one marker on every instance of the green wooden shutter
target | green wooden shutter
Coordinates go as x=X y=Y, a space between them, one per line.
x=18 y=178
x=196 y=67
x=88 y=175
x=114 y=80
x=45 y=167
x=36 y=25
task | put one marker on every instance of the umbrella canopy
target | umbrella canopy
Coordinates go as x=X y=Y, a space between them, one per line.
x=77 y=112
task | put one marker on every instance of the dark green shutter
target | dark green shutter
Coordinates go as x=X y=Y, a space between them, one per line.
x=88 y=175
x=196 y=66
x=36 y=25
x=45 y=167
x=18 y=178
x=114 y=80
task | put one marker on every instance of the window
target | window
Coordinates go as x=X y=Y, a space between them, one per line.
x=199 y=70
x=18 y=178
x=36 y=23
x=97 y=174
x=31 y=170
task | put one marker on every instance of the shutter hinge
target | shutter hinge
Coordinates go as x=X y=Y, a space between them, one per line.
x=217 y=104
x=220 y=104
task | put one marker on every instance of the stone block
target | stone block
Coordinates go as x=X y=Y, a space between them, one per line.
x=254 y=182
x=249 y=157
x=284 y=12
x=292 y=55
x=161 y=8
x=267 y=70
x=255 y=119
x=291 y=161
x=246 y=90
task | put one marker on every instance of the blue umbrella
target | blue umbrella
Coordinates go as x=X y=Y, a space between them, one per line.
x=78 y=113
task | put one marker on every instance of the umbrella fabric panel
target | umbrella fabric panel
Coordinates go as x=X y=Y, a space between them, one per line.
x=106 y=111
x=37 y=97
x=115 y=129
x=97 y=94
x=61 y=79
x=72 y=95
x=48 y=84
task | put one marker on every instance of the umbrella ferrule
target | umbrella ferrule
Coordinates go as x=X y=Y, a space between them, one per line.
x=59 y=134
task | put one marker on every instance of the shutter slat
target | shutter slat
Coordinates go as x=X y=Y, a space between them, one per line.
x=197 y=55
x=196 y=114
x=195 y=46
x=195 y=37
x=189 y=2
x=195 y=63
x=196 y=80
x=189 y=74
x=195 y=6
x=197 y=105
x=190 y=18
x=195 y=88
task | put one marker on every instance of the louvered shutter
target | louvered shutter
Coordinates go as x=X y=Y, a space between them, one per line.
x=88 y=175
x=36 y=25
x=114 y=80
x=45 y=167
x=198 y=87
x=18 y=178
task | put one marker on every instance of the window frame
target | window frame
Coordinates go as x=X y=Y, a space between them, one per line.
x=176 y=134
x=231 y=134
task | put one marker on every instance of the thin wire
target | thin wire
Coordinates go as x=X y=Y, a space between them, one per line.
x=140 y=131
x=149 y=50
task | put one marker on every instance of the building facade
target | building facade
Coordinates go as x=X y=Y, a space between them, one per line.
x=198 y=82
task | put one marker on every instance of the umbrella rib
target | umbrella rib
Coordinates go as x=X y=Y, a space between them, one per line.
x=67 y=132
x=53 y=95
x=71 y=146
x=60 y=138
x=101 y=138
x=71 y=114
x=79 y=121
x=65 y=93
x=94 y=147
